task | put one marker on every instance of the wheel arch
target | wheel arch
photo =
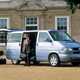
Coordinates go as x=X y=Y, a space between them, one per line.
x=53 y=53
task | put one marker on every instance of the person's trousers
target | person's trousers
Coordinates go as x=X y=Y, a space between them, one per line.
x=27 y=59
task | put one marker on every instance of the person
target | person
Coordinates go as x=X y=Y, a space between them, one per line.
x=26 y=48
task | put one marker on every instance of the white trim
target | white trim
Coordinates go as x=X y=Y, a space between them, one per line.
x=8 y=21
x=68 y=24
x=37 y=23
x=33 y=24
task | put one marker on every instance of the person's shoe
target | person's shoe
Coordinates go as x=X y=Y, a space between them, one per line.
x=26 y=64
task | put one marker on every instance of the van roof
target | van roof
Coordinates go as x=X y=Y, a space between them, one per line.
x=5 y=30
x=27 y=30
x=21 y=31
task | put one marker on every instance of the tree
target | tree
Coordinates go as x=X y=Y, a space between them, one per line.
x=73 y=4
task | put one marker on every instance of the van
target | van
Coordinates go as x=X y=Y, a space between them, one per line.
x=51 y=46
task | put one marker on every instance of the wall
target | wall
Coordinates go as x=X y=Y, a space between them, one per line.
x=46 y=19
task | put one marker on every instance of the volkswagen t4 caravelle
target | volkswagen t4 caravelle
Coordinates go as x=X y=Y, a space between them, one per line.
x=52 y=46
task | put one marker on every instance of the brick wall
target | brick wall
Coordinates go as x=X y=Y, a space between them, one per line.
x=46 y=19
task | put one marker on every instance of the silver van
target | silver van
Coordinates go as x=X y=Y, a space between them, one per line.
x=50 y=46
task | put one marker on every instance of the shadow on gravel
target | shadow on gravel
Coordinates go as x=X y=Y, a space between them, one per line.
x=47 y=65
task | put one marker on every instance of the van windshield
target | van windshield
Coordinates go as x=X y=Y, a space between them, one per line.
x=14 y=37
x=60 y=36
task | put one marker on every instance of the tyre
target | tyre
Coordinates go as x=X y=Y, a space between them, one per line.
x=54 y=60
x=2 y=61
x=15 y=61
x=75 y=63
x=18 y=62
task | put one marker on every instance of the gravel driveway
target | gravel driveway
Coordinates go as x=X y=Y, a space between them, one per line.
x=38 y=72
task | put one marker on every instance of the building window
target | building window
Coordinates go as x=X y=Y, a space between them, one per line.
x=31 y=23
x=4 y=23
x=62 y=23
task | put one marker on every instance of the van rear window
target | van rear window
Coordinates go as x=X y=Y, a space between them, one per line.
x=14 y=37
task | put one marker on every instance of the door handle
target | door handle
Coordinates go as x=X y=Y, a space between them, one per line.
x=19 y=44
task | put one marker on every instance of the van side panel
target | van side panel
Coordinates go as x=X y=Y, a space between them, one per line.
x=43 y=47
x=13 y=45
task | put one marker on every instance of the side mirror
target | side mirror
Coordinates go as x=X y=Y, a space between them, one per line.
x=49 y=40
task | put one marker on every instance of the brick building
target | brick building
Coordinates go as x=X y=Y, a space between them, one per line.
x=39 y=14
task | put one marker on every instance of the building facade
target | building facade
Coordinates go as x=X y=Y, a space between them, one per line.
x=39 y=14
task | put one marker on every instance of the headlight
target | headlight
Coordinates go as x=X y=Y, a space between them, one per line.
x=70 y=49
x=63 y=50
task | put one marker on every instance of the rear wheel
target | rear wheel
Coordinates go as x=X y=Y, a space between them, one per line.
x=18 y=62
x=54 y=60
x=15 y=61
x=2 y=61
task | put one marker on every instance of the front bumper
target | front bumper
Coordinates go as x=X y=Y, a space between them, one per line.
x=69 y=57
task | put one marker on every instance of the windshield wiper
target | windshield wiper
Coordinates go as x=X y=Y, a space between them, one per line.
x=67 y=40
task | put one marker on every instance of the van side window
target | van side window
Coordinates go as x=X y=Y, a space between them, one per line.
x=44 y=37
x=14 y=37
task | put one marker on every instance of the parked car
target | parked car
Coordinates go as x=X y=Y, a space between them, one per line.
x=3 y=42
x=50 y=46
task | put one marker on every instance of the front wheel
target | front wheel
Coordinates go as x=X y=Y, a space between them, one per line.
x=54 y=60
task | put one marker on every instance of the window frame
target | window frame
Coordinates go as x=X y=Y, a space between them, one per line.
x=68 y=22
x=32 y=24
x=8 y=21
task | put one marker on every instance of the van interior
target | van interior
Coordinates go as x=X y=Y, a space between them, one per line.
x=32 y=37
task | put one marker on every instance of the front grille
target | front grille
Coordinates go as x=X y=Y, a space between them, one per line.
x=75 y=48
x=76 y=51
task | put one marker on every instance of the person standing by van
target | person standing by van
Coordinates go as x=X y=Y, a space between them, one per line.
x=26 y=48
